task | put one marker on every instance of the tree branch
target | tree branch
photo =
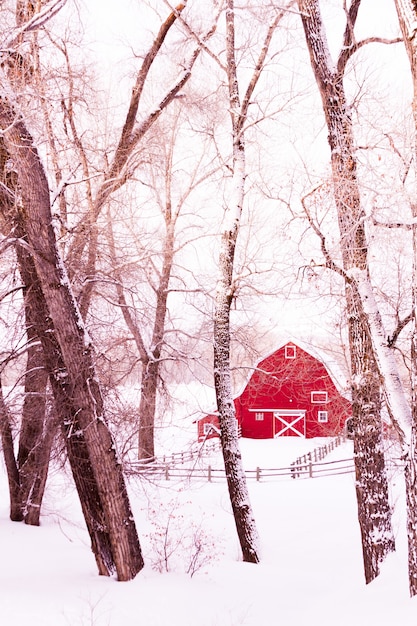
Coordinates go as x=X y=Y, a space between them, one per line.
x=38 y=20
x=329 y=263
x=392 y=340
x=259 y=66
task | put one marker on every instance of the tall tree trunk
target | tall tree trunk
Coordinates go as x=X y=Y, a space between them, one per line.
x=78 y=454
x=236 y=479
x=86 y=426
x=374 y=512
x=36 y=431
x=235 y=475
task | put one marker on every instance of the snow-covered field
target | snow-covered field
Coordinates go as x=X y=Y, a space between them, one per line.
x=311 y=570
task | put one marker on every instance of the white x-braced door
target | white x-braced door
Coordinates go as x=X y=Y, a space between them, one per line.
x=289 y=423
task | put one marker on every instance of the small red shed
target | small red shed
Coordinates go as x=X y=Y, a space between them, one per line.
x=289 y=394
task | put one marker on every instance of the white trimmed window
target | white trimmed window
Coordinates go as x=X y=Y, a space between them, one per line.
x=290 y=352
x=322 y=416
x=259 y=417
x=319 y=397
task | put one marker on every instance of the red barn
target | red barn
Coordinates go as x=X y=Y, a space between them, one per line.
x=290 y=394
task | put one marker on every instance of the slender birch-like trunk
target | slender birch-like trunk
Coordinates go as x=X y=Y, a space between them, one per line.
x=236 y=479
x=407 y=15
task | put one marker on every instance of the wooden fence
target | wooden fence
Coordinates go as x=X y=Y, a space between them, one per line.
x=176 y=458
x=168 y=467
x=310 y=465
x=319 y=453
x=160 y=471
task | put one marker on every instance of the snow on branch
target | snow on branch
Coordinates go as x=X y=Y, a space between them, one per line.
x=38 y=20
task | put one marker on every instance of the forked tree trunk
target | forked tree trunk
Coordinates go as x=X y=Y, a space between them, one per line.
x=84 y=422
x=150 y=358
x=151 y=361
x=78 y=454
x=374 y=512
x=37 y=429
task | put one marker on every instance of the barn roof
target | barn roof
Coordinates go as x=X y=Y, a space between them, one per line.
x=331 y=365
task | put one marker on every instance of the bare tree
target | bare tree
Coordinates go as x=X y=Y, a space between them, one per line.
x=371 y=482
x=97 y=472
x=37 y=422
x=125 y=161
x=238 y=108
x=172 y=187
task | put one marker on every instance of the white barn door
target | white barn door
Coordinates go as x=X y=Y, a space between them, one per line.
x=288 y=423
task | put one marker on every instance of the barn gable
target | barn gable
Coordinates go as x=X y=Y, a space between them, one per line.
x=290 y=393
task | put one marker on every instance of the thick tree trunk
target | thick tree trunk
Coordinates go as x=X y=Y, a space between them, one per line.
x=86 y=426
x=78 y=454
x=374 y=512
x=36 y=431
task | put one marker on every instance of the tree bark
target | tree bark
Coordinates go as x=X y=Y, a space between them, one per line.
x=38 y=423
x=374 y=512
x=37 y=431
x=86 y=426
x=407 y=16
x=16 y=511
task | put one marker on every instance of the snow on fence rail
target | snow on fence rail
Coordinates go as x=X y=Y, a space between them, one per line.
x=166 y=471
x=309 y=465
x=167 y=466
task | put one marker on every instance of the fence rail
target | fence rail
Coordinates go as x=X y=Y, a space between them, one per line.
x=177 y=458
x=309 y=465
x=320 y=452
x=166 y=471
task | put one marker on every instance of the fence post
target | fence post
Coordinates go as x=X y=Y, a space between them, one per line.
x=167 y=471
x=258 y=474
x=294 y=468
x=310 y=469
x=209 y=473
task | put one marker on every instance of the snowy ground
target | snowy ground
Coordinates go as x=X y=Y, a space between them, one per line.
x=311 y=570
